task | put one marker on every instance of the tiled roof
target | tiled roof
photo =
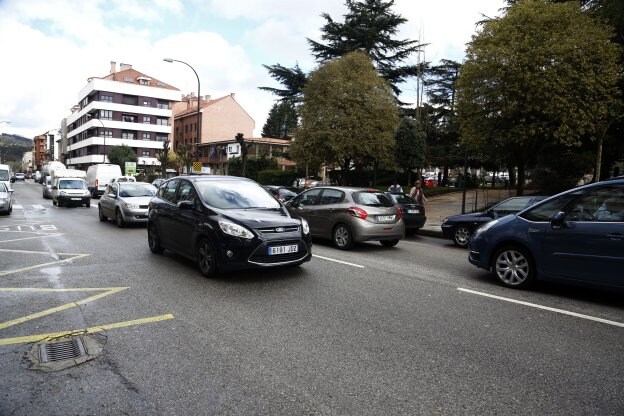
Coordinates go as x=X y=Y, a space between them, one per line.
x=202 y=104
x=132 y=76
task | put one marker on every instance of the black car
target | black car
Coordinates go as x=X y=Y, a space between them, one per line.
x=413 y=212
x=460 y=227
x=225 y=223
x=282 y=193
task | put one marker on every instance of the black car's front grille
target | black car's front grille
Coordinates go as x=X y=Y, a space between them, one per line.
x=261 y=254
x=278 y=230
x=143 y=206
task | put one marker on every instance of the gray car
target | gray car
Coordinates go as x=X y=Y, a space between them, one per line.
x=47 y=188
x=348 y=215
x=6 y=199
x=126 y=202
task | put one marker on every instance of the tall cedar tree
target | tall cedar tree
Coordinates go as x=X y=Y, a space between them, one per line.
x=542 y=74
x=281 y=122
x=369 y=26
x=349 y=114
x=410 y=146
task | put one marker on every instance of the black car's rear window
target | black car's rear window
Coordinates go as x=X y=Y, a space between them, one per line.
x=403 y=199
x=372 y=199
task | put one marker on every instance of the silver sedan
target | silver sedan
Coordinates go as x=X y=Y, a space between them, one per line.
x=126 y=202
x=6 y=199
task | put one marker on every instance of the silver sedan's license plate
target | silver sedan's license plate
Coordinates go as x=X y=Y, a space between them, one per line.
x=413 y=211
x=385 y=217
x=283 y=249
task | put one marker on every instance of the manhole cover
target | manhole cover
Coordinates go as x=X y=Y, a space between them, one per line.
x=63 y=353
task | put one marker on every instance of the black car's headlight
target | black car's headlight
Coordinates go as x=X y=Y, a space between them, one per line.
x=235 y=230
x=305 y=227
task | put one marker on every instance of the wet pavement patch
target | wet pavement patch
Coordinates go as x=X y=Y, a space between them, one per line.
x=65 y=352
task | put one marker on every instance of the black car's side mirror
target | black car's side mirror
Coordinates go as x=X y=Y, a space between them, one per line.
x=187 y=205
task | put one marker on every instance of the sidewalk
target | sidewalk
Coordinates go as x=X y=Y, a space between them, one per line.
x=439 y=207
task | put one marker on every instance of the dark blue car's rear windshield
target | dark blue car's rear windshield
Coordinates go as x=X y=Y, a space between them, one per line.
x=372 y=199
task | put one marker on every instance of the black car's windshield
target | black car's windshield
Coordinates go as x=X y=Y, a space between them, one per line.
x=372 y=199
x=134 y=189
x=229 y=194
x=403 y=199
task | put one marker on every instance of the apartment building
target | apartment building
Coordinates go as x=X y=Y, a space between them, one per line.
x=126 y=107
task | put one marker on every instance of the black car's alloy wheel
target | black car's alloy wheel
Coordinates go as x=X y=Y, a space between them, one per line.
x=514 y=267
x=342 y=237
x=206 y=259
x=461 y=236
x=153 y=239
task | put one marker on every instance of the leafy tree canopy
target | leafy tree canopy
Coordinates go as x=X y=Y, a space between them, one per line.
x=410 y=145
x=281 y=122
x=119 y=155
x=349 y=114
x=543 y=73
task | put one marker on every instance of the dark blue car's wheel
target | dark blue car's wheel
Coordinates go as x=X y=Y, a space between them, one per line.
x=514 y=267
x=206 y=258
x=461 y=235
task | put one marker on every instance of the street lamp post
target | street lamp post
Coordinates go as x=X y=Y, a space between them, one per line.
x=90 y=117
x=198 y=99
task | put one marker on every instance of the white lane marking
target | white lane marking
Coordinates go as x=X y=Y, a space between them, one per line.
x=338 y=261
x=17 y=206
x=546 y=308
x=38 y=207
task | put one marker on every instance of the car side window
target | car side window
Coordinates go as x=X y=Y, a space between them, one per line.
x=310 y=198
x=605 y=204
x=186 y=192
x=168 y=190
x=331 y=196
x=544 y=212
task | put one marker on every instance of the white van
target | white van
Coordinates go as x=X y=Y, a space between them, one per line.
x=100 y=175
x=69 y=187
x=47 y=169
x=5 y=175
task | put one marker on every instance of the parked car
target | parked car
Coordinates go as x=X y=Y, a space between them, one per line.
x=126 y=202
x=460 y=227
x=6 y=199
x=282 y=193
x=47 y=187
x=225 y=223
x=123 y=178
x=576 y=237
x=413 y=213
x=348 y=215
x=20 y=176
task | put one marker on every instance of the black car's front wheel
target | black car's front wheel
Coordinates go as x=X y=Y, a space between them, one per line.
x=514 y=267
x=461 y=235
x=153 y=239
x=206 y=258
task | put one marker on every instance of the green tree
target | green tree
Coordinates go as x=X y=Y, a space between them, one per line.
x=281 y=122
x=119 y=155
x=185 y=156
x=410 y=146
x=162 y=156
x=542 y=74
x=349 y=114
x=369 y=26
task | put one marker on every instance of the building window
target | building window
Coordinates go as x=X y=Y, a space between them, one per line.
x=145 y=153
x=146 y=102
x=129 y=135
x=128 y=118
x=163 y=105
x=162 y=121
x=108 y=134
x=147 y=119
x=106 y=98
x=186 y=128
x=161 y=137
x=130 y=100
x=106 y=114
x=147 y=136
x=143 y=81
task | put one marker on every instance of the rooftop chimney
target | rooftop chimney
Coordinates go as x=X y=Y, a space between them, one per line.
x=232 y=94
x=123 y=67
x=113 y=67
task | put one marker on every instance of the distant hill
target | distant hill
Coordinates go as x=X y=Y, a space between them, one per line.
x=13 y=147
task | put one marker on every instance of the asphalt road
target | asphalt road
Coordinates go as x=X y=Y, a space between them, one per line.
x=409 y=330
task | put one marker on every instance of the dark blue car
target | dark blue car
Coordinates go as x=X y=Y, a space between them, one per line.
x=576 y=237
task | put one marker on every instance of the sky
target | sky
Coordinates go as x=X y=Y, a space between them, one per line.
x=49 y=48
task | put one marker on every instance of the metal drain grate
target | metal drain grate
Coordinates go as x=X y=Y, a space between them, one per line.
x=64 y=350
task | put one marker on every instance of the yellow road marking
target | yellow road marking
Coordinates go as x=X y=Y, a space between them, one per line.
x=95 y=329
x=30 y=317
x=4 y=273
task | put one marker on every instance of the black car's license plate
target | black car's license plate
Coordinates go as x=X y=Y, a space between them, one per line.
x=293 y=248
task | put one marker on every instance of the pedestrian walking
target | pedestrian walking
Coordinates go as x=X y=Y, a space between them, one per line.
x=417 y=193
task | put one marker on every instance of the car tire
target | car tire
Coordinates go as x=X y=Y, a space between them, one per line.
x=53 y=202
x=153 y=239
x=461 y=235
x=342 y=237
x=206 y=258
x=101 y=215
x=88 y=204
x=514 y=267
x=389 y=243
x=119 y=219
